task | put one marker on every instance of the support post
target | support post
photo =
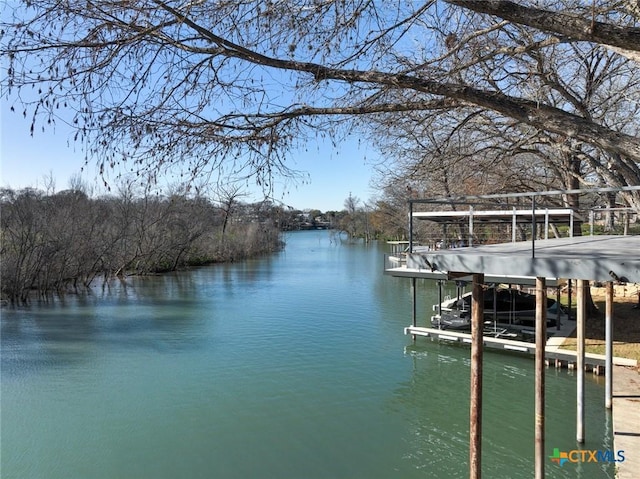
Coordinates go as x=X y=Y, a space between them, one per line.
x=546 y=224
x=541 y=342
x=569 y=299
x=580 y=334
x=410 y=226
x=558 y=308
x=414 y=316
x=470 y=240
x=533 y=227
x=608 y=339
x=475 y=411
x=626 y=223
x=440 y=302
x=571 y=224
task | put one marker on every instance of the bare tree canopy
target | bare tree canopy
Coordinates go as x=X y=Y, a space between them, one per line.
x=229 y=87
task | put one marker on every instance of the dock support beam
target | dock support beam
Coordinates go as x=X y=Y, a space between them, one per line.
x=414 y=315
x=569 y=306
x=558 y=308
x=608 y=339
x=475 y=412
x=580 y=335
x=410 y=226
x=541 y=342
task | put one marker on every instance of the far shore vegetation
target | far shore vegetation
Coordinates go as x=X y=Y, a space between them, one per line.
x=61 y=242
x=55 y=243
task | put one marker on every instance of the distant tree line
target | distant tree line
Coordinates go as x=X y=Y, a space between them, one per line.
x=60 y=242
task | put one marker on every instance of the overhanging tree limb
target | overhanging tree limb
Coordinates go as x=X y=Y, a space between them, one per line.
x=540 y=116
x=575 y=27
x=532 y=113
x=160 y=82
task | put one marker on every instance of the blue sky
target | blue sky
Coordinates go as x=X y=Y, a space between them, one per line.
x=334 y=172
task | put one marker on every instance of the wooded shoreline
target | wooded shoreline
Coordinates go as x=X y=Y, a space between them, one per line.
x=60 y=243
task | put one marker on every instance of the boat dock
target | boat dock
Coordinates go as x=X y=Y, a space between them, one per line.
x=579 y=259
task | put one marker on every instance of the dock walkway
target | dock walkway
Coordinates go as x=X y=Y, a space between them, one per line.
x=553 y=349
x=626 y=420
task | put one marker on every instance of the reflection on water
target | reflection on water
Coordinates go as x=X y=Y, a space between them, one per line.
x=285 y=367
x=439 y=389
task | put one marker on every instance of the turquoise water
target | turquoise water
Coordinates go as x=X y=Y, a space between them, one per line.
x=293 y=366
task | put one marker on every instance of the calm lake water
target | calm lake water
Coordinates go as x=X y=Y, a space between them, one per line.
x=292 y=366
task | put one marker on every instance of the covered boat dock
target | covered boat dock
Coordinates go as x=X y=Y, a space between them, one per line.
x=607 y=259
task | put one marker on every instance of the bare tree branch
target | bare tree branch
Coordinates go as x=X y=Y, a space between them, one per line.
x=234 y=86
x=575 y=27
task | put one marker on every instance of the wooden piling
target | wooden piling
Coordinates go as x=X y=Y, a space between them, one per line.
x=541 y=341
x=569 y=303
x=558 y=308
x=581 y=301
x=414 y=315
x=475 y=412
x=608 y=339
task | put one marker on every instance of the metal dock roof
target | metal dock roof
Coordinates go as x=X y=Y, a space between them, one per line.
x=597 y=258
x=554 y=215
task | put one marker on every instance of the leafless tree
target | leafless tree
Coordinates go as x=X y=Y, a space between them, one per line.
x=229 y=87
x=475 y=151
x=59 y=243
